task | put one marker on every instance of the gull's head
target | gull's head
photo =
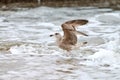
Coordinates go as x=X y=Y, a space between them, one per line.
x=57 y=35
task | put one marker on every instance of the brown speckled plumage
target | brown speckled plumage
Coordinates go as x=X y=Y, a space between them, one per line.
x=69 y=40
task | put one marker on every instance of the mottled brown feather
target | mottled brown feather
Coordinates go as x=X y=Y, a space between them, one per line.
x=69 y=28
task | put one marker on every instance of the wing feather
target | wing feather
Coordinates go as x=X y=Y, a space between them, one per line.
x=69 y=31
x=73 y=23
x=69 y=37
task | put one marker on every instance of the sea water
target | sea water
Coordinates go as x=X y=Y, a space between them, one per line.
x=28 y=53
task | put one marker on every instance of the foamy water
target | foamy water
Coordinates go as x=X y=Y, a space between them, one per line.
x=28 y=53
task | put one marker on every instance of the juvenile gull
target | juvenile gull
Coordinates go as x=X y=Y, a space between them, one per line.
x=69 y=40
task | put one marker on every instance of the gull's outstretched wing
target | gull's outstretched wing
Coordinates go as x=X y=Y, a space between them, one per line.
x=69 y=31
x=73 y=23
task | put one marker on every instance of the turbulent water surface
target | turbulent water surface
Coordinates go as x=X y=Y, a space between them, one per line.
x=28 y=53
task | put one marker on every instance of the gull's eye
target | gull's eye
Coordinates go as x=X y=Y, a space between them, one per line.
x=56 y=33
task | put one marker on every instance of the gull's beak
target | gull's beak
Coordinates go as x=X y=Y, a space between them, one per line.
x=51 y=35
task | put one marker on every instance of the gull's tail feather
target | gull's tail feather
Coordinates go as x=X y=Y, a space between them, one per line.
x=78 y=45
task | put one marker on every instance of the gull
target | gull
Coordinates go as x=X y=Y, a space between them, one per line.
x=68 y=41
